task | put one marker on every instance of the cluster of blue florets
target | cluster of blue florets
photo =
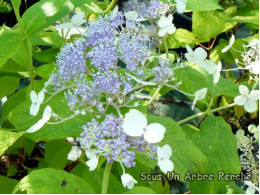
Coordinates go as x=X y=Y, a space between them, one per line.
x=109 y=139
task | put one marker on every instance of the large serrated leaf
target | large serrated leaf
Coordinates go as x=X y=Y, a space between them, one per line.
x=7 y=139
x=203 y=5
x=51 y=181
x=185 y=155
x=217 y=142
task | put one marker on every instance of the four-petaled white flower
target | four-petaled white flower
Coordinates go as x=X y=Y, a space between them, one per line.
x=230 y=44
x=36 y=102
x=135 y=124
x=241 y=138
x=166 y=26
x=76 y=20
x=197 y=56
x=92 y=163
x=181 y=5
x=47 y=113
x=163 y=154
x=214 y=69
x=199 y=95
x=251 y=187
x=246 y=99
x=128 y=181
x=74 y=153
x=254 y=130
x=254 y=67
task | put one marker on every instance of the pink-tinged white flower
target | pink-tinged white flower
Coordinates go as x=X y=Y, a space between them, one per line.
x=166 y=26
x=163 y=154
x=230 y=44
x=36 y=100
x=128 y=181
x=47 y=113
x=246 y=99
x=135 y=124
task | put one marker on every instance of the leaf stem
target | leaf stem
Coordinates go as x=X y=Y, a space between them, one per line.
x=208 y=112
x=106 y=177
x=110 y=6
x=165 y=47
x=154 y=95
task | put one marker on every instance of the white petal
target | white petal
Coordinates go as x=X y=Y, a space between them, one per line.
x=211 y=66
x=164 y=152
x=243 y=90
x=225 y=49
x=200 y=54
x=169 y=19
x=252 y=128
x=92 y=163
x=166 y=165
x=154 y=133
x=74 y=153
x=194 y=103
x=134 y=123
x=131 y=15
x=231 y=41
x=250 y=190
x=65 y=25
x=216 y=77
x=171 y=29
x=200 y=94
x=240 y=100
x=162 y=22
x=90 y=154
x=47 y=113
x=162 y=32
x=204 y=65
x=78 y=19
x=36 y=126
x=33 y=96
x=40 y=96
x=254 y=95
x=190 y=57
x=250 y=106
x=181 y=7
x=128 y=181
x=190 y=51
x=34 y=109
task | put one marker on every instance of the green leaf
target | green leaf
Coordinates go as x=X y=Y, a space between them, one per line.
x=45 y=70
x=202 y=5
x=217 y=142
x=10 y=43
x=22 y=120
x=10 y=67
x=47 y=56
x=47 y=38
x=207 y=25
x=232 y=188
x=140 y=190
x=8 y=85
x=7 y=185
x=185 y=155
x=45 y=13
x=56 y=153
x=180 y=38
x=7 y=139
x=51 y=181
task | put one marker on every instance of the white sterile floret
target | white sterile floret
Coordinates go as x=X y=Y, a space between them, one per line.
x=199 y=95
x=197 y=56
x=77 y=20
x=133 y=16
x=74 y=153
x=230 y=44
x=166 y=26
x=246 y=99
x=251 y=187
x=241 y=138
x=214 y=69
x=254 y=67
x=253 y=42
x=163 y=154
x=135 y=124
x=46 y=116
x=254 y=130
x=36 y=102
x=181 y=5
x=92 y=163
x=128 y=181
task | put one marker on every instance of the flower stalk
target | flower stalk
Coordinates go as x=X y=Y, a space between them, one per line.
x=106 y=177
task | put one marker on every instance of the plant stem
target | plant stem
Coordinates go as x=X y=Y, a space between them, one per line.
x=110 y=6
x=205 y=113
x=154 y=95
x=106 y=177
x=165 y=47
